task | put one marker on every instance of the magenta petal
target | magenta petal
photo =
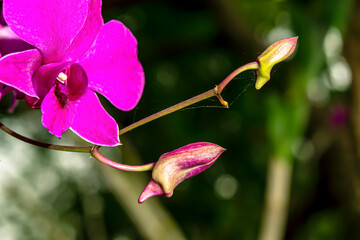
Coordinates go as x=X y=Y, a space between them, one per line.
x=45 y=77
x=56 y=118
x=50 y=25
x=16 y=70
x=113 y=68
x=93 y=123
x=151 y=190
x=77 y=82
x=6 y=90
x=32 y=102
x=88 y=32
x=10 y=42
x=8 y=46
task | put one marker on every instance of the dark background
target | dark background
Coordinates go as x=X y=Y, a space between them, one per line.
x=304 y=120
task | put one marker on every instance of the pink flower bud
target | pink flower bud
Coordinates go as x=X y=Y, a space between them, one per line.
x=277 y=52
x=178 y=165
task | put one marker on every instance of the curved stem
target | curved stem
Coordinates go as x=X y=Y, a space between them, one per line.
x=211 y=93
x=249 y=66
x=42 y=144
x=130 y=168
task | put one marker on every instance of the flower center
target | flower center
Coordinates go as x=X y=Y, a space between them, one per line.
x=62 y=78
x=61 y=89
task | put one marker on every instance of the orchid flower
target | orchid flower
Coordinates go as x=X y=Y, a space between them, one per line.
x=174 y=167
x=75 y=55
x=10 y=42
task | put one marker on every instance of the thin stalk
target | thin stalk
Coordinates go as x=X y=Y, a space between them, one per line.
x=44 y=145
x=211 y=93
x=129 y=168
x=249 y=66
x=169 y=110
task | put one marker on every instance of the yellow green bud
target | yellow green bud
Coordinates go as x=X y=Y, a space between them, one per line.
x=277 y=52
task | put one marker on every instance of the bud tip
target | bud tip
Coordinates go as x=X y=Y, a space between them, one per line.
x=275 y=53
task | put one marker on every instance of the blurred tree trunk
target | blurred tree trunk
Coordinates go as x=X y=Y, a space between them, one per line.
x=352 y=165
x=352 y=53
x=276 y=199
x=151 y=218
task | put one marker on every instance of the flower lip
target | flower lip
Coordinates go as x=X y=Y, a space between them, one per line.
x=77 y=81
x=45 y=77
x=70 y=79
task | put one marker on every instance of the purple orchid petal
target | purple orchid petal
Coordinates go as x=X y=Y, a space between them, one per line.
x=93 y=123
x=113 y=68
x=10 y=42
x=16 y=70
x=18 y=94
x=87 y=35
x=13 y=105
x=57 y=118
x=6 y=90
x=77 y=82
x=44 y=78
x=49 y=25
x=2 y=20
x=8 y=46
x=32 y=102
x=152 y=189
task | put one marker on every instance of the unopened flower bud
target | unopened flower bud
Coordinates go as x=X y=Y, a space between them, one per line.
x=178 y=165
x=277 y=52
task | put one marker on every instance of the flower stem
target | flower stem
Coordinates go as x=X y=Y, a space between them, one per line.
x=249 y=66
x=42 y=144
x=169 y=110
x=130 y=168
x=211 y=93
x=216 y=91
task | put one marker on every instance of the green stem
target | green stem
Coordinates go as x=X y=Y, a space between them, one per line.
x=211 y=93
x=130 y=168
x=44 y=145
x=169 y=110
x=249 y=66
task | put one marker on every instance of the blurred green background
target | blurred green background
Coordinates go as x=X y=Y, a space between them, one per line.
x=292 y=165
